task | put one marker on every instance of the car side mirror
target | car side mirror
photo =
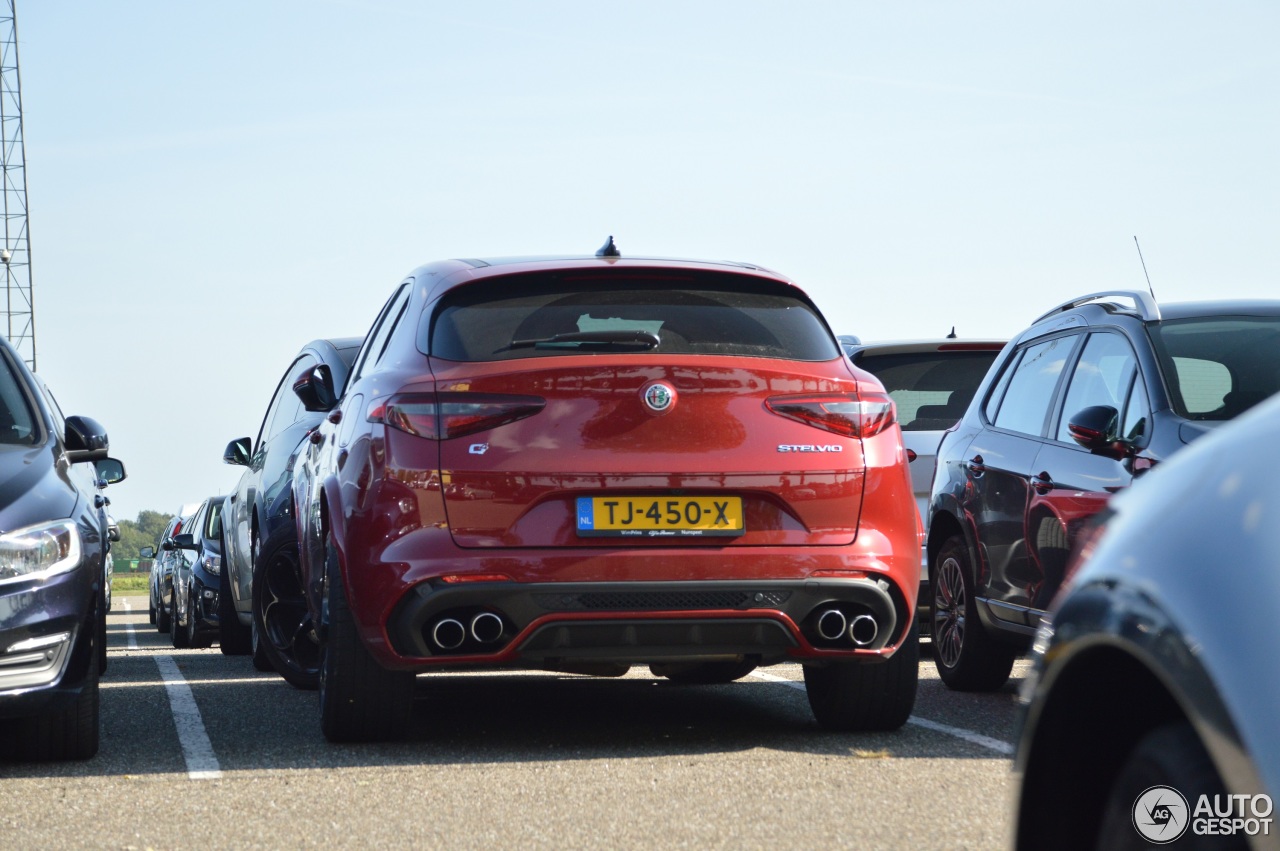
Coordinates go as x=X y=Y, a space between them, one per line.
x=85 y=440
x=113 y=533
x=147 y=552
x=1096 y=428
x=110 y=471
x=315 y=389
x=185 y=542
x=237 y=452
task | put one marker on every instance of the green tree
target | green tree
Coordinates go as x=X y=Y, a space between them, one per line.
x=136 y=534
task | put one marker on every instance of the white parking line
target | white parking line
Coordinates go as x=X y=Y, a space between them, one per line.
x=197 y=750
x=996 y=745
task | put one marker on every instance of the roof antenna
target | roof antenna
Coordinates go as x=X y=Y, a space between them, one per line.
x=609 y=249
x=952 y=335
x=1144 y=268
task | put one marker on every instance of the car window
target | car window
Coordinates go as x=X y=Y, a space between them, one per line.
x=1101 y=376
x=213 y=521
x=17 y=420
x=1217 y=367
x=931 y=390
x=1137 y=411
x=286 y=406
x=376 y=342
x=1025 y=405
x=521 y=317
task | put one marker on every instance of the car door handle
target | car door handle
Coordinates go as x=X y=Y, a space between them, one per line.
x=1043 y=482
x=975 y=466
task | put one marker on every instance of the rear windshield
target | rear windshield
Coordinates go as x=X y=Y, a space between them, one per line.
x=521 y=317
x=17 y=422
x=930 y=389
x=1217 y=367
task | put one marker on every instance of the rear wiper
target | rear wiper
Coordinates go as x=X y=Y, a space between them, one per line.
x=593 y=340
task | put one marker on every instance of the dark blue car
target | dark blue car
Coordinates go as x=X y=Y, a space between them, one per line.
x=53 y=542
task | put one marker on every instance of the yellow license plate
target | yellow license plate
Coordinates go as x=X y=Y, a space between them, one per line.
x=660 y=516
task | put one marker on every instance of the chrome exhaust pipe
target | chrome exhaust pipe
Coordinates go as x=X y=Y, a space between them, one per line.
x=486 y=627
x=448 y=634
x=832 y=624
x=863 y=630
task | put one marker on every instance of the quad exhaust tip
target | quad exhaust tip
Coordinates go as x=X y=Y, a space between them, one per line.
x=486 y=627
x=863 y=630
x=832 y=624
x=448 y=634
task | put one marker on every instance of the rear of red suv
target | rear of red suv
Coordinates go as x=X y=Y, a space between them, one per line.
x=590 y=464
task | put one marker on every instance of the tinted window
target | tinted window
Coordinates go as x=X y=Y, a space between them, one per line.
x=689 y=314
x=213 y=523
x=1026 y=402
x=1217 y=367
x=932 y=390
x=1101 y=377
x=17 y=421
x=1137 y=412
x=285 y=406
x=376 y=342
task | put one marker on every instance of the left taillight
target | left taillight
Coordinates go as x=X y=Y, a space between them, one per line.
x=846 y=414
x=441 y=416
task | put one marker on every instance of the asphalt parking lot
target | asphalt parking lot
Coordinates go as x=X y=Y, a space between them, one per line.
x=201 y=750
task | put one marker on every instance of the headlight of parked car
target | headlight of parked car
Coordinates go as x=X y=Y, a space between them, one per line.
x=213 y=564
x=39 y=551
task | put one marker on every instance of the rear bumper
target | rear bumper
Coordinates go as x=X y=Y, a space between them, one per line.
x=557 y=624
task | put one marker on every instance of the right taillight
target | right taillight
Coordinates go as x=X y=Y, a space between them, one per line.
x=441 y=416
x=847 y=414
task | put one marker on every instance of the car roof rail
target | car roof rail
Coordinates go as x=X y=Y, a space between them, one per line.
x=1144 y=304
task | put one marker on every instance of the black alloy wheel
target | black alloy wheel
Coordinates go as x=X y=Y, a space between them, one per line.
x=968 y=658
x=285 y=632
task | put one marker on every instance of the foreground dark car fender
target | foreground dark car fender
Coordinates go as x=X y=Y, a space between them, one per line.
x=1168 y=623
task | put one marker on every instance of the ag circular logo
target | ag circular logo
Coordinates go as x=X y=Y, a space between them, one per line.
x=659 y=397
x=1161 y=815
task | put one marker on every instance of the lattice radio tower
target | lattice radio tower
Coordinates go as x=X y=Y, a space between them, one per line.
x=15 y=253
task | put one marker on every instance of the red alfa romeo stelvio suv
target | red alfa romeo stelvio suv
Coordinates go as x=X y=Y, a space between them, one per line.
x=592 y=463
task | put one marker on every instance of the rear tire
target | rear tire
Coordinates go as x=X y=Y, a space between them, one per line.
x=704 y=673
x=195 y=638
x=234 y=638
x=163 y=622
x=866 y=696
x=968 y=658
x=261 y=662
x=286 y=634
x=360 y=701
x=180 y=634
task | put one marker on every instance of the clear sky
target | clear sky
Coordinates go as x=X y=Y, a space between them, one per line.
x=211 y=185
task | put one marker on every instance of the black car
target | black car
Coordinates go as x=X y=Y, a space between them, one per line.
x=262 y=606
x=53 y=539
x=1096 y=392
x=1156 y=667
x=197 y=577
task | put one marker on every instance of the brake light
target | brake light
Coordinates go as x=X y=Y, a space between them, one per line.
x=840 y=413
x=441 y=416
